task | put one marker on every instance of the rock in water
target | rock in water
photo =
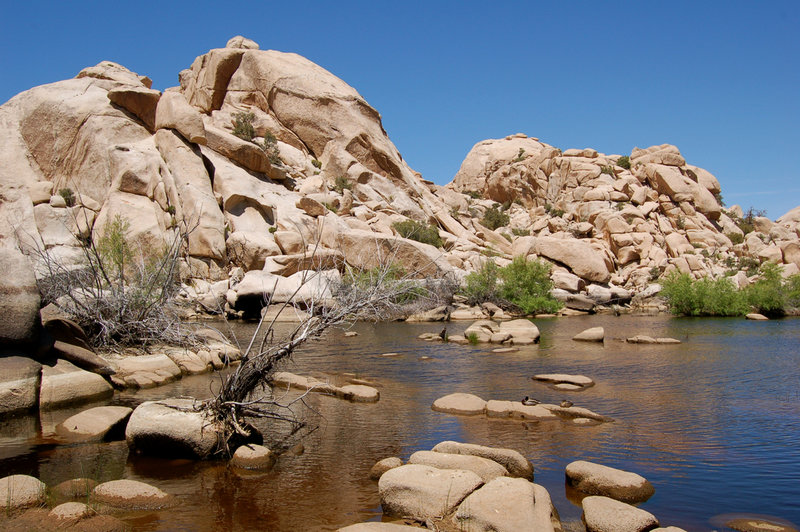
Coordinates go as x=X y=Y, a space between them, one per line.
x=596 y=479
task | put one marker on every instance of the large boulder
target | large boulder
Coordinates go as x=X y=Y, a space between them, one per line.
x=483 y=467
x=19 y=301
x=422 y=492
x=64 y=384
x=601 y=514
x=596 y=479
x=131 y=495
x=172 y=428
x=460 y=403
x=579 y=256
x=20 y=379
x=507 y=505
x=516 y=464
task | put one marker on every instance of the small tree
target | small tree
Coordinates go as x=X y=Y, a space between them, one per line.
x=421 y=232
x=527 y=285
x=243 y=125
x=494 y=218
x=767 y=294
x=481 y=286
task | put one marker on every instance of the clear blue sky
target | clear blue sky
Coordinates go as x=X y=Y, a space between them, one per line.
x=719 y=79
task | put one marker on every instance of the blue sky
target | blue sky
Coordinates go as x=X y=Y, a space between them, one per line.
x=720 y=80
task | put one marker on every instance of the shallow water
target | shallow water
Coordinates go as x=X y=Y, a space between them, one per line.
x=713 y=423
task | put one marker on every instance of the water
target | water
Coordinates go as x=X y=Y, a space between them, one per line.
x=713 y=423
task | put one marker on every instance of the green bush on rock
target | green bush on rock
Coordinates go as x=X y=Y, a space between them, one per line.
x=523 y=285
x=421 y=232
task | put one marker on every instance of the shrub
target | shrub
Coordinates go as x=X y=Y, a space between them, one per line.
x=607 y=169
x=472 y=338
x=704 y=297
x=680 y=222
x=474 y=194
x=521 y=232
x=68 y=195
x=270 y=147
x=527 y=285
x=735 y=238
x=624 y=162
x=243 y=125
x=552 y=211
x=481 y=286
x=494 y=218
x=454 y=212
x=718 y=197
x=421 y=232
x=767 y=295
x=507 y=237
x=341 y=183
x=520 y=155
x=272 y=229
x=792 y=289
x=317 y=163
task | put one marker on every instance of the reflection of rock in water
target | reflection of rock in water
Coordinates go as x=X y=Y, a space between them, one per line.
x=753 y=523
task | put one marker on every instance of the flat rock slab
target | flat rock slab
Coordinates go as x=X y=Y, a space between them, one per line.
x=95 y=424
x=563 y=378
x=758 y=524
x=357 y=393
x=594 y=334
x=506 y=505
x=644 y=339
x=597 y=479
x=516 y=410
x=131 y=495
x=146 y=371
x=423 y=492
x=756 y=317
x=601 y=514
x=20 y=379
x=516 y=464
x=66 y=384
x=483 y=467
x=460 y=403
x=21 y=491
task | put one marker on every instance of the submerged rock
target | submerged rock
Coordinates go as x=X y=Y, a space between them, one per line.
x=644 y=339
x=131 y=495
x=251 y=456
x=594 y=334
x=581 y=381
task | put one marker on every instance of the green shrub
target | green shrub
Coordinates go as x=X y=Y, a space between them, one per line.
x=735 y=238
x=317 y=163
x=481 y=286
x=472 y=338
x=474 y=194
x=521 y=232
x=341 y=183
x=331 y=207
x=508 y=237
x=527 y=285
x=68 y=195
x=624 y=162
x=718 y=197
x=767 y=295
x=272 y=229
x=520 y=155
x=270 y=147
x=494 y=218
x=552 y=211
x=607 y=169
x=243 y=125
x=454 y=212
x=421 y=232
x=680 y=222
x=703 y=297
x=792 y=290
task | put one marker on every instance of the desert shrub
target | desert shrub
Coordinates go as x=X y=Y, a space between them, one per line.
x=521 y=232
x=243 y=125
x=655 y=273
x=474 y=194
x=792 y=290
x=767 y=295
x=270 y=147
x=520 y=156
x=552 y=211
x=680 y=222
x=624 y=162
x=454 y=212
x=68 y=195
x=526 y=285
x=607 y=169
x=702 y=297
x=472 y=338
x=494 y=218
x=421 y=232
x=341 y=183
x=317 y=163
x=735 y=238
x=480 y=286
x=718 y=197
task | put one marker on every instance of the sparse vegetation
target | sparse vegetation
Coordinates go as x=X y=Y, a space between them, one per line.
x=494 y=218
x=680 y=222
x=607 y=169
x=474 y=194
x=552 y=211
x=317 y=163
x=624 y=162
x=270 y=147
x=341 y=183
x=68 y=195
x=421 y=232
x=243 y=125
x=472 y=338
x=520 y=156
x=521 y=232
x=735 y=238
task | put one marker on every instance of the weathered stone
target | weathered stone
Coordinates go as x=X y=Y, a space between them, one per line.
x=483 y=467
x=375 y=526
x=422 y=492
x=507 y=505
x=19 y=301
x=601 y=514
x=560 y=378
x=95 y=424
x=382 y=466
x=140 y=101
x=21 y=491
x=358 y=393
x=460 y=403
x=252 y=456
x=76 y=488
x=131 y=495
x=578 y=256
x=64 y=384
x=516 y=464
x=596 y=479
x=172 y=428
x=71 y=512
x=594 y=334
x=20 y=379
x=174 y=112
x=756 y=316
x=644 y=339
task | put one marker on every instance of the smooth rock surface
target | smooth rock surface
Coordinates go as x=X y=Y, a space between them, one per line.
x=594 y=334
x=131 y=495
x=601 y=514
x=21 y=491
x=94 y=424
x=252 y=456
x=506 y=505
x=483 y=467
x=597 y=479
x=64 y=384
x=382 y=466
x=516 y=464
x=460 y=403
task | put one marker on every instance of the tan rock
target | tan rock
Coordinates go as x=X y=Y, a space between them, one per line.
x=514 y=462
x=596 y=479
x=563 y=378
x=382 y=466
x=594 y=334
x=131 y=494
x=94 y=424
x=252 y=456
x=20 y=378
x=460 y=403
x=422 y=492
x=174 y=112
x=601 y=514
x=64 y=384
x=140 y=101
x=311 y=206
x=578 y=256
x=756 y=317
x=21 y=491
x=483 y=467
x=507 y=505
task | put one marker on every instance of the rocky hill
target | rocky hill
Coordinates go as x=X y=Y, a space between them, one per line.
x=265 y=156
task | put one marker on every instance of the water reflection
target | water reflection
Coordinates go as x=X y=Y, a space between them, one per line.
x=712 y=423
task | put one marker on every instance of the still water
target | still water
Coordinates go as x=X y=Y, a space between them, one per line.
x=712 y=423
